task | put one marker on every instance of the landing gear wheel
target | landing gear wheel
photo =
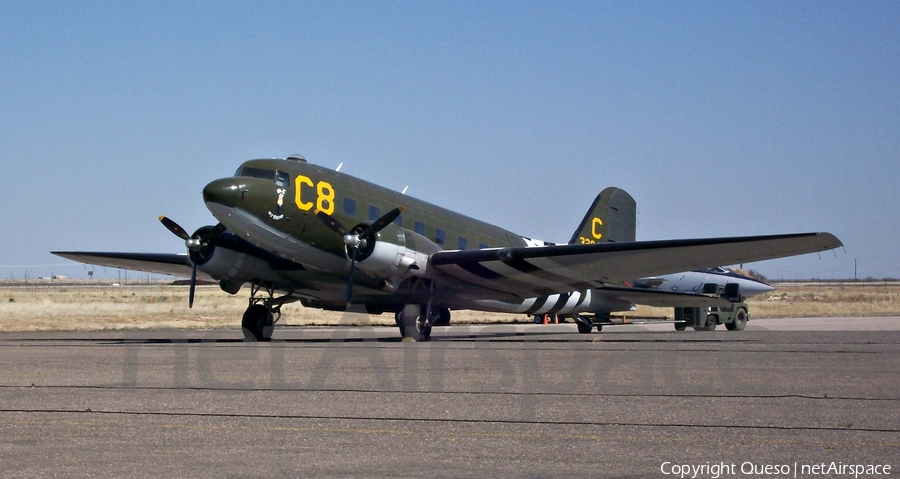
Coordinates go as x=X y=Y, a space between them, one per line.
x=424 y=330
x=584 y=327
x=538 y=319
x=440 y=316
x=711 y=321
x=599 y=327
x=408 y=322
x=740 y=321
x=680 y=325
x=257 y=323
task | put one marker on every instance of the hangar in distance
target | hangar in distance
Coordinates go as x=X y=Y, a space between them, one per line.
x=295 y=231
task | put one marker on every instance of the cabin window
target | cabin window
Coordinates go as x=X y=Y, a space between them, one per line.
x=461 y=243
x=419 y=227
x=482 y=246
x=399 y=221
x=440 y=237
x=349 y=206
x=374 y=213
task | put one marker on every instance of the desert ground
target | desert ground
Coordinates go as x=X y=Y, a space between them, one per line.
x=70 y=305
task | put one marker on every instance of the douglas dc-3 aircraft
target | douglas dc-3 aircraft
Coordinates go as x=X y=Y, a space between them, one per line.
x=299 y=232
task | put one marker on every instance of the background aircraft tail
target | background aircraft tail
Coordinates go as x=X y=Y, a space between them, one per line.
x=612 y=218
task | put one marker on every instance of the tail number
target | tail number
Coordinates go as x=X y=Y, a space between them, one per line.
x=596 y=232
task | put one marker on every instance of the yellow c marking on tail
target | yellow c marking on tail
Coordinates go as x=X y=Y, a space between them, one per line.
x=596 y=224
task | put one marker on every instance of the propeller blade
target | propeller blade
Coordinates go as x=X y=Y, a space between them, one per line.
x=353 y=241
x=174 y=228
x=380 y=223
x=213 y=233
x=353 y=252
x=331 y=222
x=193 y=286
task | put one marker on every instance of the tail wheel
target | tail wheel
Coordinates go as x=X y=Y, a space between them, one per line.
x=740 y=321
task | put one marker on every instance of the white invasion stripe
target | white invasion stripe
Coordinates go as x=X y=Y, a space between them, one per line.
x=526 y=305
x=571 y=303
x=549 y=304
x=584 y=305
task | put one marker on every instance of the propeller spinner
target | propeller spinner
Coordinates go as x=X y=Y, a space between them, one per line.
x=194 y=244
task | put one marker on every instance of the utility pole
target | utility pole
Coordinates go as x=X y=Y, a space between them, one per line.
x=854 y=270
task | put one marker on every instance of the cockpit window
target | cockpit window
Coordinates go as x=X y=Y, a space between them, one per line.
x=717 y=270
x=280 y=178
x=251 y=172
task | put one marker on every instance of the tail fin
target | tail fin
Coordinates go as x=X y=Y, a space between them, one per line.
x=611 y=218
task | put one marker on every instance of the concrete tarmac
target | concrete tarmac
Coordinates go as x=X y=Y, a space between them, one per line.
x=507 y=401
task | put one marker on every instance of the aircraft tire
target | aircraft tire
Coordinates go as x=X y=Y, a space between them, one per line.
x=256 y=322
x=408 y=322
x=424 y=331
x=440 y=316
x=680 y=326
x=599 y=327
x=584 y=328
x=740 y=320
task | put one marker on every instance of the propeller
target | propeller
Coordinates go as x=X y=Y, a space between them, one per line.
x=195 y=245
x=357 y=241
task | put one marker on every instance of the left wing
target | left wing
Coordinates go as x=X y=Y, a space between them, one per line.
x=545 y=270
x=170 y=264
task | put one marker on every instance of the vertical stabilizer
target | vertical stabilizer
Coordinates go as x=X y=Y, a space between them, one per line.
x=612 y=218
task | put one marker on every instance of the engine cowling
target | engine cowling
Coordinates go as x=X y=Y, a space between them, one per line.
x=222 y=260
x=396 y=253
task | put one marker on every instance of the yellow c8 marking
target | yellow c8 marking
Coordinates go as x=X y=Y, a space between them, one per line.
x=325 y=201
x=596 y=224
x=324 y=196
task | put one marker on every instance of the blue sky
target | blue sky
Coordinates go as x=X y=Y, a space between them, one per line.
x=721 y=119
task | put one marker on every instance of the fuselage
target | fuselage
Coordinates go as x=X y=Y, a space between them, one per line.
x=693 y=281
x=273 y=204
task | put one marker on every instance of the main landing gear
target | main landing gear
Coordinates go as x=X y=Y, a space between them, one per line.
x=416 y=326
x=261 y=315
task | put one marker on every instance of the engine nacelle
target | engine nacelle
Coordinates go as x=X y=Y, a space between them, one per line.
x=397 y=253
x=232 y=268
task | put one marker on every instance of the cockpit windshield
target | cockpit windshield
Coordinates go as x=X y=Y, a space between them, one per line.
x=280 y=178
x=717 y=270
x=251 y=172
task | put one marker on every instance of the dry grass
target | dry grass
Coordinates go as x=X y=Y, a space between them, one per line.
x=102 y=307
x=81 y=306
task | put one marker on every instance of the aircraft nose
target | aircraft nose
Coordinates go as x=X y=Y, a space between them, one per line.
x=755 y=288
x=226 y=191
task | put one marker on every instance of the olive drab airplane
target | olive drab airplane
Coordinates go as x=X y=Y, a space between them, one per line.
x=294 y=231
